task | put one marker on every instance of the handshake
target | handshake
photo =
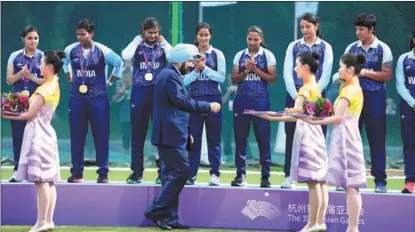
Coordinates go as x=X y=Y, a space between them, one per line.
x=214 y=107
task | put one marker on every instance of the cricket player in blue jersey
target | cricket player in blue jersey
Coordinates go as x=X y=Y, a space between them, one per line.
x=311 y=42
x=405 y=84
x=86 y=66
x=147 y=52
x=23 y=73
x=204 y=82
x=253 y=68
x=376 y=71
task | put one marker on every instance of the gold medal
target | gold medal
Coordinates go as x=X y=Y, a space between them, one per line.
x=83 y=88
x=148 y=76
x=26 y=92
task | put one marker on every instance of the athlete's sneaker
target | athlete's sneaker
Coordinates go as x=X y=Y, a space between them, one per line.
x=239 y=181
x=75 y=178
x=158 y=180
x=134 y=178
x=265 y=182
x=380 y=188
x=191 y=181
x=102 y=179
x=214 y=180
x=409 y=187
x=288 y=183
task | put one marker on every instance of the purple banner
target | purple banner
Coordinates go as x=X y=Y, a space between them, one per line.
x=78 y=204
x=206 y=207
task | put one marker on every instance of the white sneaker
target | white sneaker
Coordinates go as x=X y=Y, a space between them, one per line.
x=13 y=178
x=288 y=183
x=214 y=180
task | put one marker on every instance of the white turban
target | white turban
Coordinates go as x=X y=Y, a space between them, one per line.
x=181 y=53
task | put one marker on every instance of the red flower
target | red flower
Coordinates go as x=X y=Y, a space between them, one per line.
x=23 y=98
x=327 y=105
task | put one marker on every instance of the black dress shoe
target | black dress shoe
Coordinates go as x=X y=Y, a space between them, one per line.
x=162 y=225
x=180 y=226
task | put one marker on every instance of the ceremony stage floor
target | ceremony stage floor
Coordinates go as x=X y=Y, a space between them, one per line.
x=201 y=206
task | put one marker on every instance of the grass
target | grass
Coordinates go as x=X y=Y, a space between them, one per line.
x=203 y=177
x=108 y=229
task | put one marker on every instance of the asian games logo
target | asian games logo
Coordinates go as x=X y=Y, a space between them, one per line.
x=254 y=209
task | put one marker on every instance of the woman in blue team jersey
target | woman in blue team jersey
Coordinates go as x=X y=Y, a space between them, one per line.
x=147 y=52
x=23 y=73
x=204 y=85
x=86 y=66
x=405 y=83
x=376 y=72
x=311 y=42
x=253 y=68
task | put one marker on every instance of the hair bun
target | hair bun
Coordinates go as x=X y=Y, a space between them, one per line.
x=315 y=55
x=61 y=54
x=361 y=58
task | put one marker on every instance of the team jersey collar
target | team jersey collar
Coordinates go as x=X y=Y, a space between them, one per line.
x=260 y=52
x=318 y=41
x=34 y=54
x=374 y=44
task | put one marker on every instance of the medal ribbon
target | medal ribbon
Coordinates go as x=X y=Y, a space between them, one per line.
x=83 y=69
x=150 y=66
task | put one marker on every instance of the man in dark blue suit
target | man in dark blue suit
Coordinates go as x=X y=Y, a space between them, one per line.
x=172 y=105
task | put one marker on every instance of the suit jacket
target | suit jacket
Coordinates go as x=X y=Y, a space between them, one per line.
x=172 y=105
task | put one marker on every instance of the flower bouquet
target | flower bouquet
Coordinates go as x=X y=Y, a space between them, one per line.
x=14 y=103
x=319 y=109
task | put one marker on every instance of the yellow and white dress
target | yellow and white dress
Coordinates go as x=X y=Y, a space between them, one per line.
x=346 y=160
x=309 y=155
x=39 y=158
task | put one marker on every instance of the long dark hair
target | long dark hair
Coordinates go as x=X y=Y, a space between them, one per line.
x=257 y=29
x=200 y=26
x=411 y=41
x=312 y=18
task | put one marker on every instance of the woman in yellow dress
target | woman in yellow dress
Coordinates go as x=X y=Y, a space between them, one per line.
x=346 y=166
x=39 y=158
x=309 y=155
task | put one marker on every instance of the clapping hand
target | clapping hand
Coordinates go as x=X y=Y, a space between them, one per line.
x=215 y=107
x=25 y=72
x=200 y=64
x=250 y=65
